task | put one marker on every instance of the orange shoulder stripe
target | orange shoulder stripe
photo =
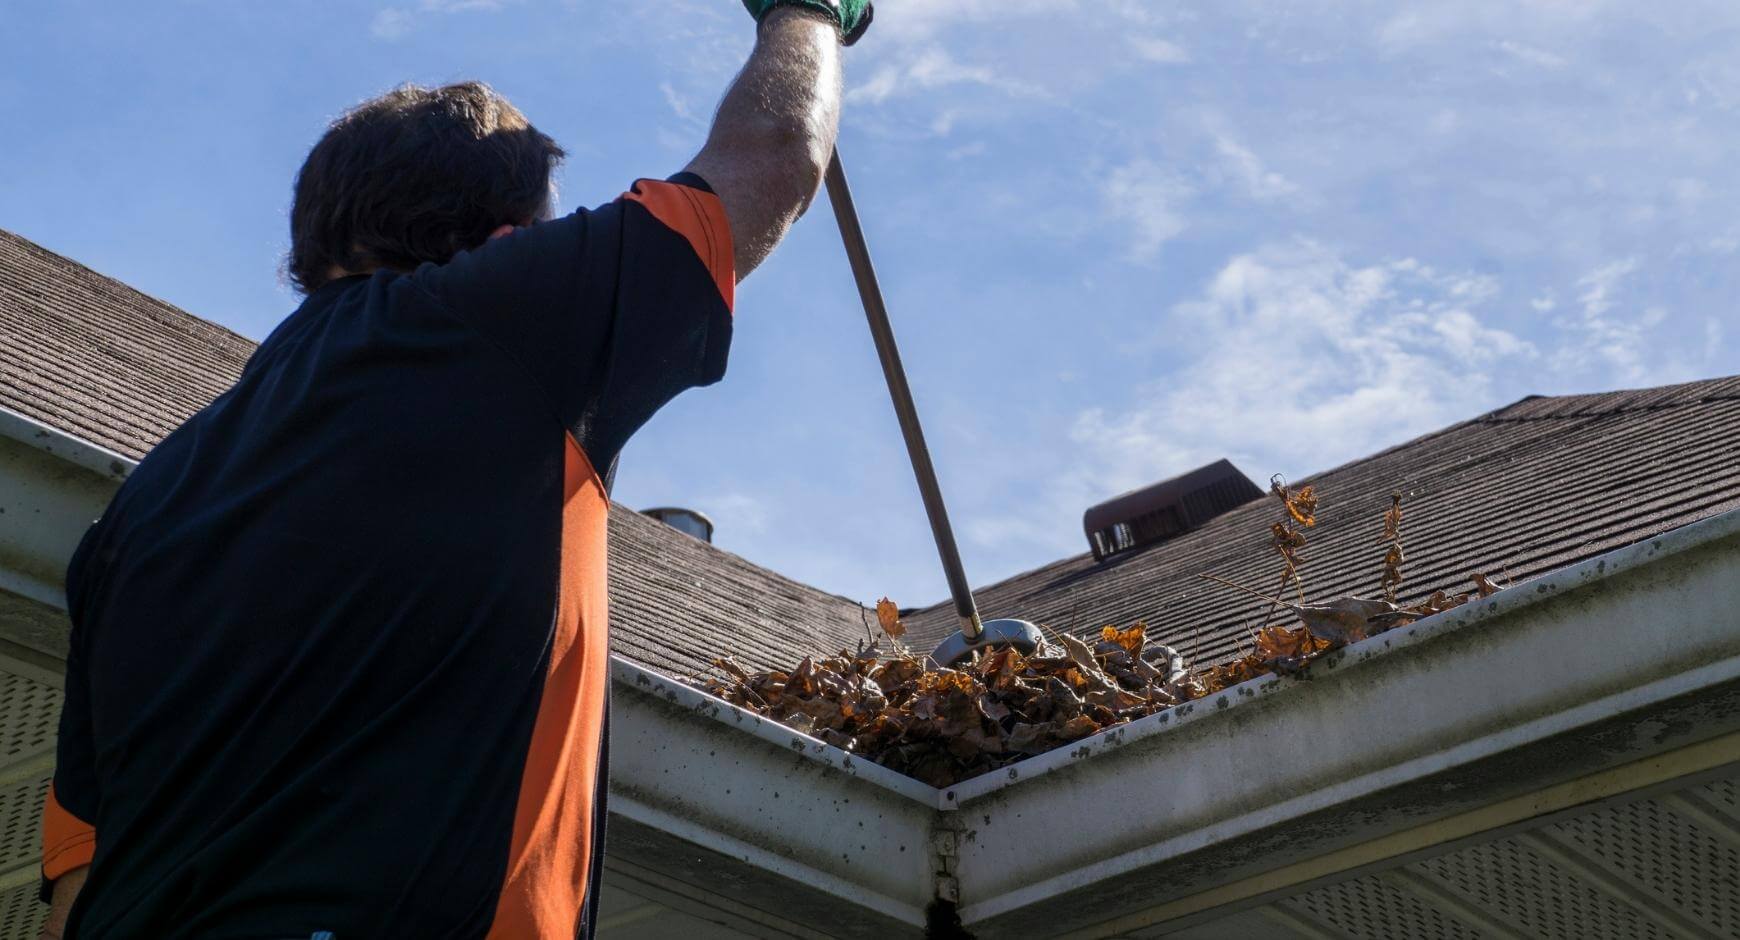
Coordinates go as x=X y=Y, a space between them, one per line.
x=68 y=842
x=698 y=216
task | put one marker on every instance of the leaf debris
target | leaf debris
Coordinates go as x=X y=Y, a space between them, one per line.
x=943 y=725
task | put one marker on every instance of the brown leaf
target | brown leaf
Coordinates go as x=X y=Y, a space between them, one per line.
x=1301 y=503
x=1027 y=736
x=1132 y=640
x=1078 y=727
x=1079 y=652
x=888 y=617
x=1345 y=619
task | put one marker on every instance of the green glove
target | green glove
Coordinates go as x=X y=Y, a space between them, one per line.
x=853 y=16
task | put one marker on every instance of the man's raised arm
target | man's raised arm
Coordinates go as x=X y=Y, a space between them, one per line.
x=775 y=129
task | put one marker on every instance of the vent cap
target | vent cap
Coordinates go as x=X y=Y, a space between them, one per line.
x=686 y=521
x=1166 y=509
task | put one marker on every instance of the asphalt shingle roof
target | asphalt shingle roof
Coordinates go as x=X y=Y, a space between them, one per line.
x=1512 y=494
x=94 y=358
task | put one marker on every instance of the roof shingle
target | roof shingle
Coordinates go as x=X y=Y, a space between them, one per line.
x=1528 y=488
x=90 y=356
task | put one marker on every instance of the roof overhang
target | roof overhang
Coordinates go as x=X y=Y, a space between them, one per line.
x=1612 y=675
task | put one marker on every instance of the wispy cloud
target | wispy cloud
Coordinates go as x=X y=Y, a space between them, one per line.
x=1156 y=49
x=679 y=103
x=928 y=69
x=1257 y=180
x=1602 y=334
x=395 y=23
x=1532 y=55
x=1150 y=199
x=1299 y=360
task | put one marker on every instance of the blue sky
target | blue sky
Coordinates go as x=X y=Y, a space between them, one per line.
x=1119 y=239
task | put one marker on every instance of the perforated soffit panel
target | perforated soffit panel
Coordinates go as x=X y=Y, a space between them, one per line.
x=1663 y=867
x=29 y=711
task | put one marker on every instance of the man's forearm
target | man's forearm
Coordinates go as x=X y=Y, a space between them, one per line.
x=775 y=130
x=66 y=890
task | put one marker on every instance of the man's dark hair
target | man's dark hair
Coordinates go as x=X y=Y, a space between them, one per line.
x=417 y=174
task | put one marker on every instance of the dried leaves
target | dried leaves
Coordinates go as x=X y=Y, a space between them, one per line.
x=944 y=725
x=1393 y=555
x=888 y=616
x=1287 y=537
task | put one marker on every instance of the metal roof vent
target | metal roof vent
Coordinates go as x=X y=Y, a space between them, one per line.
x=686 y=521
x=1168 y=508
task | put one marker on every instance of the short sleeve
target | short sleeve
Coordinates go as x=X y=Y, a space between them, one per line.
x=611 y=311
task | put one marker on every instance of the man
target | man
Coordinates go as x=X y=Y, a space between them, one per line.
x=338 y=663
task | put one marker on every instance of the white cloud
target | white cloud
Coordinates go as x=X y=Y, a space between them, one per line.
x=1163 y=51
x=679 y=103
x=1599 y=285
x=929 y=68
x=394 y=23
x=1429 y=22
x=1602 y=337
x=1257 y=180
x=1299 y=360
x=1531 y=55
x=906 y=21
x=1150 y=199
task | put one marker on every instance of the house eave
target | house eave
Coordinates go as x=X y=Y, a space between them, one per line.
x=818 y=826
x=1631 y=654
x=52 y=486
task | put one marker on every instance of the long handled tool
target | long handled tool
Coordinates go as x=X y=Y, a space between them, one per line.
x=974 y=633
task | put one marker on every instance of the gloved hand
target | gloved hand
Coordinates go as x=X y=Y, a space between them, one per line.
x=853 y=16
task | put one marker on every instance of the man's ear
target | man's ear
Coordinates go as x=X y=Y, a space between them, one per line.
x=499 y=232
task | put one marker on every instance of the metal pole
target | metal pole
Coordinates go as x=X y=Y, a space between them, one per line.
x=858 y=252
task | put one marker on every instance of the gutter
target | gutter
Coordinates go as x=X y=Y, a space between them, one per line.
x=1548 y=684
x=58 y=443
x=52 y=486
x=817 y=828
x=1627 y=656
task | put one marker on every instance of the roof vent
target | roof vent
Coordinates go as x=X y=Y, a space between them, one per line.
x=1172 y=507
x=686 y=521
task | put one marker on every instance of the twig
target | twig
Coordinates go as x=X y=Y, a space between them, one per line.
x=1256 y=594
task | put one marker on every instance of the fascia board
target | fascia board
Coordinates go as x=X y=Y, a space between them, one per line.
x=1628 y=654
x=690 y=765
x=52 y=486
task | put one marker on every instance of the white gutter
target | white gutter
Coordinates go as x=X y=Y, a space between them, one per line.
x=816 y=828
x=52 y=486
x=1633 y=653
x=52 y=440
